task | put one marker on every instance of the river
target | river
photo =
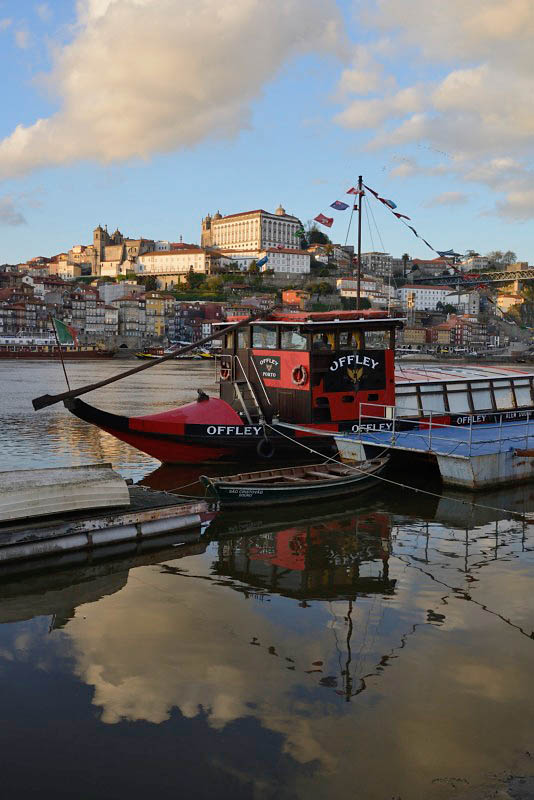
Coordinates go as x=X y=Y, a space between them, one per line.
x=376 y=648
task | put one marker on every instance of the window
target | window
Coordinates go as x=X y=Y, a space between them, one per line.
x=350 y=340
x=323 y=341
x=264 y=337
x=293 y=339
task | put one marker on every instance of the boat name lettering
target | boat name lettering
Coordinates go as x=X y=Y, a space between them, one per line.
x=475 y=418
x=372 y=426
x=233 y=430
x=268 y=367
x=363 y=361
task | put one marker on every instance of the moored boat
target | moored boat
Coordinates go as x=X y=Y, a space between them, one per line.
x=313 y=482
x=38 y=347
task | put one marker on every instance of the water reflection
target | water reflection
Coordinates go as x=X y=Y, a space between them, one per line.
x=380 y=646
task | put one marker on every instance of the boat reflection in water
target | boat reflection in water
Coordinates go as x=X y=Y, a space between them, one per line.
x=306 y=636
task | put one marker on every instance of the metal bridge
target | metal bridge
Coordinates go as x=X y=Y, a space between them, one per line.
x=481 y=278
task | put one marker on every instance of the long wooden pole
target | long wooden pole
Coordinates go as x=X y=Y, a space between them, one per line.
x=50 y=399
x=360 y=200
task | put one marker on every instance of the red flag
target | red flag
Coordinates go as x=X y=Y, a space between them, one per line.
x=372 y=191
x=353 y=190
x=400 y=216
x=328 y=221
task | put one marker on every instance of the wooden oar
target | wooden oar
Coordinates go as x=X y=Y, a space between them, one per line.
x=50 y=399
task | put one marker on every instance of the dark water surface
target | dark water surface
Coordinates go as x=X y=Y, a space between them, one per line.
x=376 y=648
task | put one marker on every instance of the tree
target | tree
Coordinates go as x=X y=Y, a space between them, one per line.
x=316 y=236
x=500 y=260
x=149 y=282
x=194 y=279
x=350 y=303
x=253 y=268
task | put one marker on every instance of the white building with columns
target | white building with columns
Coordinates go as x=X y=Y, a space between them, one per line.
x=250 y=231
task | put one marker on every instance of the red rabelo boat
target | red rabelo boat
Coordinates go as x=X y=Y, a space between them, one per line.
x=312 y=370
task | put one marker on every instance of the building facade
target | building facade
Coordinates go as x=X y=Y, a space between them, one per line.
x=250 y=231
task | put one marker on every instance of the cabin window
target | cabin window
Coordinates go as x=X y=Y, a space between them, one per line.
x=503 y=395
x=293 y=339
x=349 y=398
x=522 y=393
x=459 y=402
x=264 y=337
x=242 y=339
x=350 y=340
x=481 y=399
x=433 y=402
x=229 y=341
x=324 y=341
x=407 y=404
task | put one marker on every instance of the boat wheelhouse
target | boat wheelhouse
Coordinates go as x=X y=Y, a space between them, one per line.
x=310 y=368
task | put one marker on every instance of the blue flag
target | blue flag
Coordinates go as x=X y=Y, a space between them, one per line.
x=339 y=206
x=262 y=261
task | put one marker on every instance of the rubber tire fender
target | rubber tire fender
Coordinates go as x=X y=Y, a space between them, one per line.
x=265 y=448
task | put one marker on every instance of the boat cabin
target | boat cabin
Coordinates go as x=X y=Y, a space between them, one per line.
x=310 y=368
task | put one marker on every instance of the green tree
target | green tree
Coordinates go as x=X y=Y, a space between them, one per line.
x=149 y=282
x=316 y=236
x=253 y=268
x=194 y=279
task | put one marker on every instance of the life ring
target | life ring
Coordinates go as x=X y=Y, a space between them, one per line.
x=299 y=376
x=225 y=373
x=265 y=448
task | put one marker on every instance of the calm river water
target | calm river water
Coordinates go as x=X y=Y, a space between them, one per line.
x=370 y=649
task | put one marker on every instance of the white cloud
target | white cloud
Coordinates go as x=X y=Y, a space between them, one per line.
x=447 y=199
x=478 y=111
x=22 y=39
x=9 y=214
x=141 y=77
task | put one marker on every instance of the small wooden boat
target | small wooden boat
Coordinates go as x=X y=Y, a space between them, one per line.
x=290 y=484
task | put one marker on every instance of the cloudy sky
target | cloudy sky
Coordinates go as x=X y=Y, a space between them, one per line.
x=147 y=114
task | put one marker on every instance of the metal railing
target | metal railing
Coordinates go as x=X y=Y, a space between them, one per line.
x=428 y=427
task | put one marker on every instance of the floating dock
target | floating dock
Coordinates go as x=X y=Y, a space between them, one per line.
x=150 y=514
x=472 y=457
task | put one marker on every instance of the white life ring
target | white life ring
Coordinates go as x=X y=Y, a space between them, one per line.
x=225 y=373
x=299 y=376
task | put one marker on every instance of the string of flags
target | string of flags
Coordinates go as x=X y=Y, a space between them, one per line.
x=339 y=205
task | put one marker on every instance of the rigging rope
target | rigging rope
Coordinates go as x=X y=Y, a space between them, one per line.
x=415 y=489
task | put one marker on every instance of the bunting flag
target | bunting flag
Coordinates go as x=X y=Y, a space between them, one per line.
x=339 y=206
x=326 y=221
x=391 y=205
x=66 y=334
x=352 y=190
x=262 y=261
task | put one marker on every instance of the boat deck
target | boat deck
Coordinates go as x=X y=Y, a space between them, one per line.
x=463 y=442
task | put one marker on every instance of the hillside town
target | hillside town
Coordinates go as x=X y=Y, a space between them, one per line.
x=127 y=292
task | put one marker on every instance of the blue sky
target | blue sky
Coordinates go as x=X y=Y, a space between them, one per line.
x=155 y=112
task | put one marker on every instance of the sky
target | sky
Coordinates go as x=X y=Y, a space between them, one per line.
x=147 y=114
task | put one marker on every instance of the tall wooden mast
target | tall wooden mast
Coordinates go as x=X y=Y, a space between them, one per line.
x=359 y=196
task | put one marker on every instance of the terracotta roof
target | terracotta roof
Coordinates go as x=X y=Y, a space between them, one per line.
x=256 y=211
x=287 y=250
x=180 y=252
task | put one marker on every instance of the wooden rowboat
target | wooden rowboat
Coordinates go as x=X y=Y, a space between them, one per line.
x=291 y=484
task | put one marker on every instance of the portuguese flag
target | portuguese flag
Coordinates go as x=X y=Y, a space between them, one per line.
x=66 y=334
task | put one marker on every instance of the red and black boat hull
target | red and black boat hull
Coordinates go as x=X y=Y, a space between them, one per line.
x=183 y=442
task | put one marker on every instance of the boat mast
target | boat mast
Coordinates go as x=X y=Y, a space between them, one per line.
x=359 y=196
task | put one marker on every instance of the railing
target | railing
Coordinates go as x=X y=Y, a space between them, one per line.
x=428 y=423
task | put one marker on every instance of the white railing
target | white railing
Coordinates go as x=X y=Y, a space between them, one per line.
x=430 y=424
